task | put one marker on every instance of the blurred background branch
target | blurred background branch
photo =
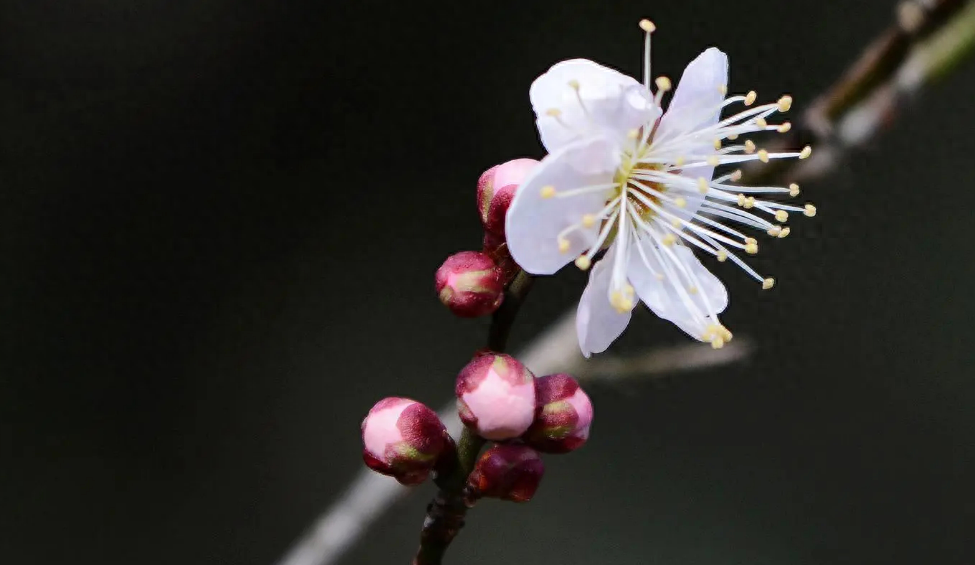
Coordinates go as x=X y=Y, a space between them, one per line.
x=927 y=40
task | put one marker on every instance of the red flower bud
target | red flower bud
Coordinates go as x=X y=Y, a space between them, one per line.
x=403 y=439
x=496 y=396
x=563 y=416
x=508 y=472
x=469 y=283
x=496 y=188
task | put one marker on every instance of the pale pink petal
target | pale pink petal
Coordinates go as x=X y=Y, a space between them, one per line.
x=606 y=103
x=534 y=222
x=663 y=298
x=598 y=323
x=696 y=105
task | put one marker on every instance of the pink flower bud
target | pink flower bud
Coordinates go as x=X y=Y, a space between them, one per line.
x=509 y=472
x=469 y=283
x=403 y=439
x=496 y=396
x=496 y=188
x=563 y=417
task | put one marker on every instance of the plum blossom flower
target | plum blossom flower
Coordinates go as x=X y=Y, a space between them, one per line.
x=626 y=178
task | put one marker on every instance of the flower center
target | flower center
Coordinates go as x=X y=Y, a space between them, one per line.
x=639 y=193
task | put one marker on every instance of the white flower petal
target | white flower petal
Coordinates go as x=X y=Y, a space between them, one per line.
x=598 y=323
x=696 y=102
x=534 y=222
x=607 y=103
x=664 y=299
x=696 y=105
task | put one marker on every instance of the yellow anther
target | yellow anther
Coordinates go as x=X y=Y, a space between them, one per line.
x=751 y=240
x=717 y=144
x=805 y=153
x=647 y=26
x=810 y=210
x=774 y=231
x=722 y=256
x=763 y=155
x=702 y=185
x=781 y=216
x=553 y=112
x=751 y=248
x=785 y=127
x=733 y=136
x=749 y=146
x=723 y=89
x=663 y=83
x=659 y=276
x=761 y=122
x=736 y=176
x=563 y=246
x=680 y=161
x=619 y=301
x=574 y=84
x=676 y=223
x=793 y=190
x=725 y=333
x=669 y=239
x=785 y=103
x=714 y=161
x=588 y=221
x=749 y=202
x=692 y=290
x=718 y=343
x=633 y=134
x=712 y=332
x=548 y=191
x=750 y=98
x=680 y=202
x=742 y=200
x=768 y=283
x=583 y=262
x=785 y=232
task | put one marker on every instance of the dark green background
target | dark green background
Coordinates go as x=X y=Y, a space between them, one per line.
x=219 y=222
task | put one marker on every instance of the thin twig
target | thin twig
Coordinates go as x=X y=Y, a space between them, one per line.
x=446 y=512
x=929 y=36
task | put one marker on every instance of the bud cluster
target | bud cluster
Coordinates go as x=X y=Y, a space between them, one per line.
x=471 y=283
x=498 y=399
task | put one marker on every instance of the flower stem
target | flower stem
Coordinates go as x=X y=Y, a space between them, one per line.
x=446 y=512
x=504 y=317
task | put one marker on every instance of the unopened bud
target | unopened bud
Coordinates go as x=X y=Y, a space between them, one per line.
x=469 y=283
x=403 y=438
x=563 y=415
x=495 y=190
x=509 y=472
x=496 y=396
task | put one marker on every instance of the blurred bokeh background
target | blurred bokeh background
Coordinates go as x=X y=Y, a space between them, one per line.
x=219 y=222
